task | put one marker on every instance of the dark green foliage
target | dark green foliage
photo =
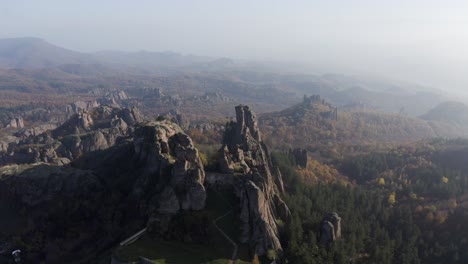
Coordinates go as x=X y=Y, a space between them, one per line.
x=372 y=230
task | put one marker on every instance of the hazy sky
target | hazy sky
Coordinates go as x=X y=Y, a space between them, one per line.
x=425 y=41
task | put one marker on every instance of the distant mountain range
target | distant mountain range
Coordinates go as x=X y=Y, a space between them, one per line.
x=33 y=60
x=37 y=53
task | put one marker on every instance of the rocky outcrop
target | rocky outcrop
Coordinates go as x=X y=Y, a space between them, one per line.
x=261 y=208
x=16 y=122
x=330 y=229
x=173 y=163
x=81 y=106
x=117 y=95
x=35 y=131
x=299 y=156
x=84 y=132
x=152 y=176
x=111 y=98
x=173 y=169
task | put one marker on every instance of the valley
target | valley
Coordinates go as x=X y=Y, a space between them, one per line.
x=207 y=153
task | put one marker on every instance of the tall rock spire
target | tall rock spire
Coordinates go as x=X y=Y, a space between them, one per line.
x=244 y=155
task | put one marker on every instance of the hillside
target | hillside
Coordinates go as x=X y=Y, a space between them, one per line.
x=315 y=122
x=37 y=53
x=448 y=119
x=450 y=111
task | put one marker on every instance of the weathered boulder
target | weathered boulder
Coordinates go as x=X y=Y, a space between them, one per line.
x=258 y=188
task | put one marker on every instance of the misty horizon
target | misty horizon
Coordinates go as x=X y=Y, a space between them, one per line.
x=420 y=42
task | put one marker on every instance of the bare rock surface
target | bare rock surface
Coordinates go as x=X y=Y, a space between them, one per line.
x=258 y=186
x=84 y=132
x=16 y=122
x=172 y=163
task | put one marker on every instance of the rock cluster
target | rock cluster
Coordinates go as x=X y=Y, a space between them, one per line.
x=81 y=106
x=84 y=132
x=244 y=155
x=154 y=174
x=213 y=98
x=112 y=98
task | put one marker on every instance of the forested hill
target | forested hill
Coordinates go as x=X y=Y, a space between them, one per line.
x=450 y=111
x=448 y=119
x=316 y=122
x=405 y=205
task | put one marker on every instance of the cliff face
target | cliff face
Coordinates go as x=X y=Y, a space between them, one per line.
x=172 y=165
x=258 y=188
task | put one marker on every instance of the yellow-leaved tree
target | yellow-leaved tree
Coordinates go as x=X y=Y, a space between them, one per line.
x=392 y=198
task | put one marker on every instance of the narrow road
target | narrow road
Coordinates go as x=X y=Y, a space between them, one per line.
x=234 y=244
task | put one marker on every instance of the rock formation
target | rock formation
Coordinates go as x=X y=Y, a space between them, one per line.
x=123 y=174
x=81 y=106
x=244 y=155
x=330 y=229
x=110 y=98
x=172 y=163
x=16 y=122
x=300 y=157
x=84 y=132
x=34 y=131
x=145 y=178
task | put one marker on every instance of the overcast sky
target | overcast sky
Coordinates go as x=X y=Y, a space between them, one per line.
x=423 y=41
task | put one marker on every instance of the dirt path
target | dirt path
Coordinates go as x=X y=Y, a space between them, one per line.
x=234 y=244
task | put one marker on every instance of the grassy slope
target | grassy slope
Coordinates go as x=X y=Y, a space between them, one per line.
x=176 y=252
x=171 y=252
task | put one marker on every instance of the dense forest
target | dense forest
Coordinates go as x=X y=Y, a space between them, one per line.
x=416 y=214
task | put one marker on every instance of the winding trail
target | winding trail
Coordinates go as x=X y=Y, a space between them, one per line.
x=234 y=244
